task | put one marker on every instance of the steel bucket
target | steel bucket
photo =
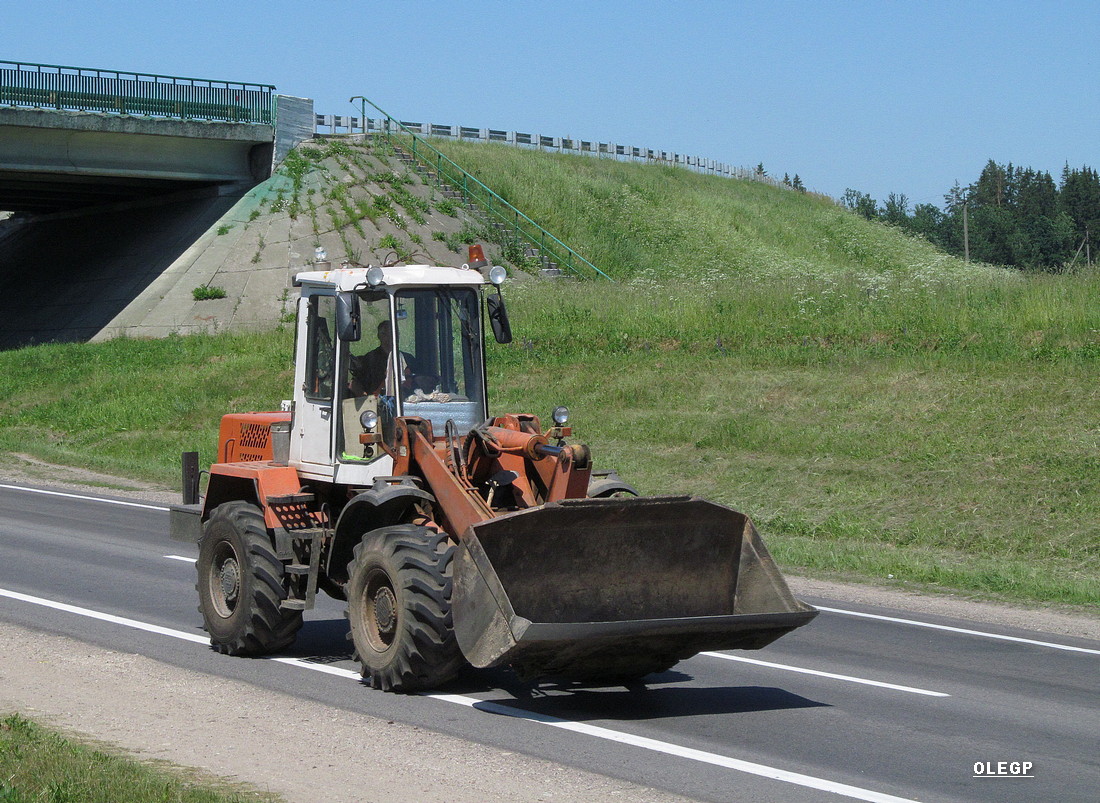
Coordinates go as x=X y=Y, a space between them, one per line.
x=594 y=588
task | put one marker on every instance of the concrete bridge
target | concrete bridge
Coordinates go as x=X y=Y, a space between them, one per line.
x=52 y=160
x=110 y=177
x=72 y=137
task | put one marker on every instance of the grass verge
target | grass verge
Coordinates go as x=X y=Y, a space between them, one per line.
x=878 y=407
x=946 y=436
x=37 y=764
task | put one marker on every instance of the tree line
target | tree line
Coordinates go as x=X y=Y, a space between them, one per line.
x=1011 y=216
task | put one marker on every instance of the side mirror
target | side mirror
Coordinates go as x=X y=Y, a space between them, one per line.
x=498 y=318
x=348 y=326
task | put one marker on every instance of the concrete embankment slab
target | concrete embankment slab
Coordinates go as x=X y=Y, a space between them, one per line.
x=134 y=269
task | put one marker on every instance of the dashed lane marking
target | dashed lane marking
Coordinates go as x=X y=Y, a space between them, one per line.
x=830 y=675
x=962 y=630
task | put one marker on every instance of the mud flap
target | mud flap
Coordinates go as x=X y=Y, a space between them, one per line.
x=591 y=588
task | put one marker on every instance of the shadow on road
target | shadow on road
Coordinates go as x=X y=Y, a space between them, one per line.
x=656 y=696
x=322 y=641
x=649 y=702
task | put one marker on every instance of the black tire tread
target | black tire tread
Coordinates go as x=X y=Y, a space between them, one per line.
x=425 y=653
x=266 y=627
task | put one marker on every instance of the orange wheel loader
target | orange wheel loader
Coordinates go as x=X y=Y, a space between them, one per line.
x=455 y=537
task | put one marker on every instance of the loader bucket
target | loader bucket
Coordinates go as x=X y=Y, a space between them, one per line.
x=608 y=588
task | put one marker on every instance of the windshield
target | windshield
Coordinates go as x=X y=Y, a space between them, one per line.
x=439 y=353
x=435 y=371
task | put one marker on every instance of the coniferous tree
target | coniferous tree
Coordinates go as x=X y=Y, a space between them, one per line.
x=1015 y=216
x=1079 y=198
x=951 y=230
x=990 y=188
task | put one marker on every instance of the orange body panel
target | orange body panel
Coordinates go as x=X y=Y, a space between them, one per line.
x=271 y=480
x=244 y=437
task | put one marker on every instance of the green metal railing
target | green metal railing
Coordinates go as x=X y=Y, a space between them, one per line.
x=48 y=86
x=517 y=232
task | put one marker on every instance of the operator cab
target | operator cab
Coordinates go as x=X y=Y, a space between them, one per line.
x=409 y=344
x=419 y=355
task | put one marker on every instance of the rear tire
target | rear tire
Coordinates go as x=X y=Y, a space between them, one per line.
x=241 y=584
x=399 y=608
x=610 y=489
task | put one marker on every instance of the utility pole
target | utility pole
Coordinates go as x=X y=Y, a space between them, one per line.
x=966 y=236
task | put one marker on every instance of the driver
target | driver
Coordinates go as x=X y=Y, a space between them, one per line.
x=370 y=372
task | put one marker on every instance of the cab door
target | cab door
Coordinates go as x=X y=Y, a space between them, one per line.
x=316 y=382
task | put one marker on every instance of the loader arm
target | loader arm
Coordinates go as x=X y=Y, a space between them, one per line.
x=460 y=504
x=542 y=472
x=545 y=473
x=556 y=583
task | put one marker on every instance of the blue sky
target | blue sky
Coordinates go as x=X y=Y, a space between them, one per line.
x=883 y=97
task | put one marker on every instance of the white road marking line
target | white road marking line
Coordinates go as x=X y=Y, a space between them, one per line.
x=183 y=558
x=607 y=734
x=106 y=617
x=83 y=497
x=962 y=630
x=668 y=748
x=326 y=668
x=819 y=607
x=818 y=672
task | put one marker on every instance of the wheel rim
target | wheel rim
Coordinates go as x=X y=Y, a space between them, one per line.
x=379 y=611
x=225 y=580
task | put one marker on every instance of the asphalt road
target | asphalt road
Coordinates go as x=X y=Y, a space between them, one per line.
x=864 y=703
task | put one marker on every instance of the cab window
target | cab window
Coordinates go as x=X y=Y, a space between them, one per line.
x=321 y=350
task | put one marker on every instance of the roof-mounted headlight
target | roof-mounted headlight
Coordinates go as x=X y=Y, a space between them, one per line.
x=375 y=276
x=497 y=274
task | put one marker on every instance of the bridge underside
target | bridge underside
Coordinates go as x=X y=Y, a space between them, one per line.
x=38 y=193
x=66 y=276
x=60 y=160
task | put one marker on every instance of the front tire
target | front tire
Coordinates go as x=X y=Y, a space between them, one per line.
x=399 y=608
x=241 y=584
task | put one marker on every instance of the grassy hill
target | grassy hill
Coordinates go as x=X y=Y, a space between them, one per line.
x=661 y=223
x=883 y=411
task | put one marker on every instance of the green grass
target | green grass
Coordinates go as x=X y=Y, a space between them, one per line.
x=206 y=292
x=878 y=408
x=665 y=223
x=129 y=407
x=989 y=317
x=37 y=764
x=906 y=466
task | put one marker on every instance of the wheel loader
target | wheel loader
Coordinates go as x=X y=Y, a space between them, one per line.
x=456 y=538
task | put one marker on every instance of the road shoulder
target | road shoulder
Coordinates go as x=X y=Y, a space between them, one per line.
x=301 y=750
